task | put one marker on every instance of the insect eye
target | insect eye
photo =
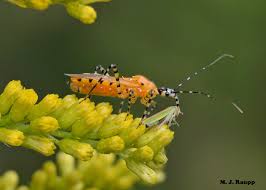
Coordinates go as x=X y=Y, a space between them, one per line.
x=142 y=84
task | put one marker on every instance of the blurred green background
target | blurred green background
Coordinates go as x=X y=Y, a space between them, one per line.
x=165 y=41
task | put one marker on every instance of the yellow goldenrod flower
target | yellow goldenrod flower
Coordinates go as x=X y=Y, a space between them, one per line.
x=103 y=171
x=45 y=124
x=111 y=144
x=83 y=151
x=64 y=104
x=23 y=105
x=12 y=137
x=143 y=154
x=150 y=135
x=82 y=129
x=77 y=111
x=162 y=140
x=66 y=163
x=78 y=9
x=133 y=132
x=84 y=13
x=143 y=171
x=160 y=157
x=114 y=124
x=46 y=106
x=38 y=180
x=9 y=95
x=50 y=169
x=104 y=109
x=39 y=144
x=9 y=180
x=38 y=4
x=87 y=124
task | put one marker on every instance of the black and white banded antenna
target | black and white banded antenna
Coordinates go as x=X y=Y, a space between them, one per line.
x=200 y=71
x=205 y=68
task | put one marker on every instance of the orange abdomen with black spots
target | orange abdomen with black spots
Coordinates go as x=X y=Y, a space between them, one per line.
x=101 y=85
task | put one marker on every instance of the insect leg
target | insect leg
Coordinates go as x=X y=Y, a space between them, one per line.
x=100 y=70
x=114 y=69
x=147 y=101
x=131 y=100
x=105 y=72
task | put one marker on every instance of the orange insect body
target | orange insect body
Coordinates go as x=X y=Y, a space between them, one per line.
x=130 y=87
x=87 y=84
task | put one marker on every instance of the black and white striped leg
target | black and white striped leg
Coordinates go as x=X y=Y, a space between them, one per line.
x=100 y=70
x=147 y=101
x=114 y=69
x=105 y=72
x=131 y=100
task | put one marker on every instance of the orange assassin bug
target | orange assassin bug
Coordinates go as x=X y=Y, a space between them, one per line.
x=101 y=83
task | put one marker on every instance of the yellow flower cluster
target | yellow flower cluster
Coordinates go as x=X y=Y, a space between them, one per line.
x=82 y=129
x=102 y=172
x=79 y=9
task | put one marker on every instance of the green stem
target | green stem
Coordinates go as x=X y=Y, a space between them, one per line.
x=62 y=134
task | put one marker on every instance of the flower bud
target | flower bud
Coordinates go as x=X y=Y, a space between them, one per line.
x=82 y=151
x=124 y=182
x=111 y=144
x=9 y=95
x=87 y=124
x=51 y=171
x=47 y=105
x=38 y=180
x=104 y=109
x=85 y=14
x=23 y=105
x=11 y=136
x=145 y=173
x=66 y=163
x=150 y=135
x=45 y=124
x=133 y=132
x=143 y=154
x=64 y=104
x=114 y=124
x=9 y=180
x=40 y=144
x=38 y=4
x=160 y=158
x=75 y=112
x=162 y=140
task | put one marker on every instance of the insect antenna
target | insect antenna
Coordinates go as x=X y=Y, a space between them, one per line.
x=194 y=92
x=205 y=68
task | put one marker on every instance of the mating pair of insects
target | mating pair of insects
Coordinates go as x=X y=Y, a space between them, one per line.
x=108 y=82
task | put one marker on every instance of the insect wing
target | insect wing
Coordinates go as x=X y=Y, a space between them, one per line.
x=167 y=115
